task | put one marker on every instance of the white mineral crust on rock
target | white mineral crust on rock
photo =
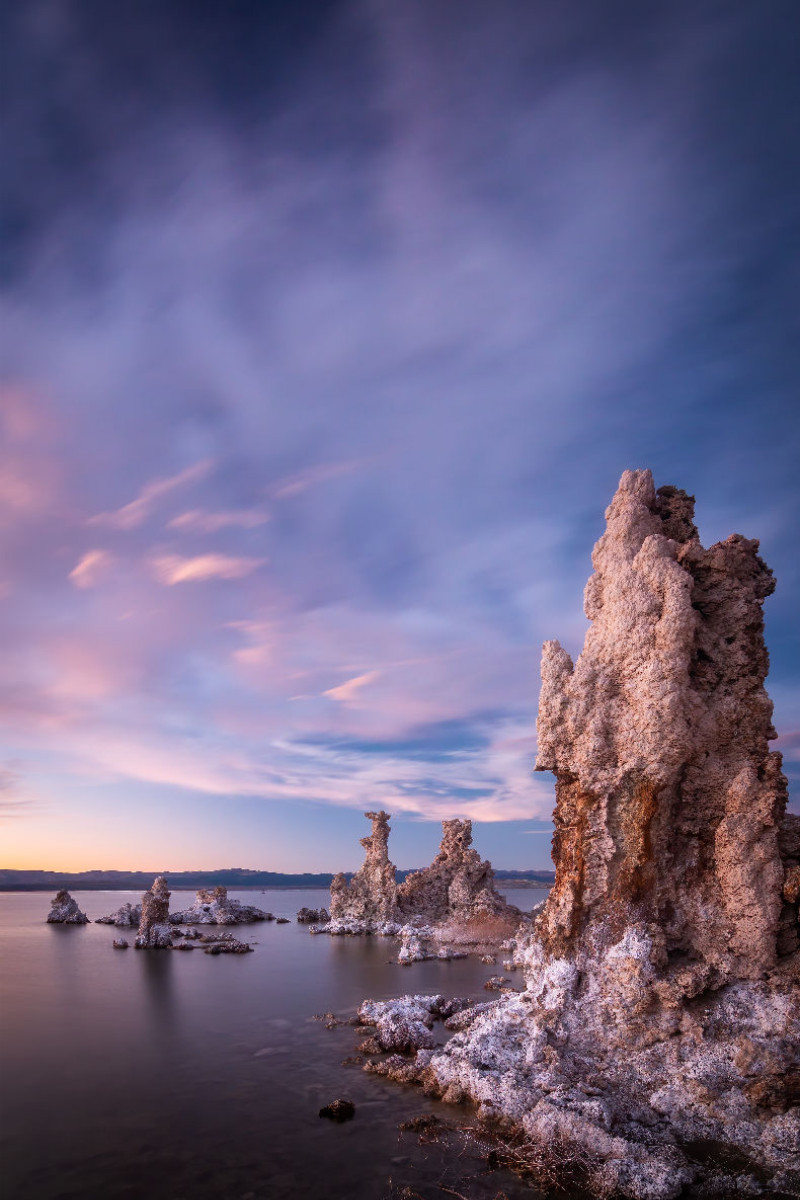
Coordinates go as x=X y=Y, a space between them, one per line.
x=662 y=1001
x=212 y=907
x=406 y=1024
x=313 y=916
x=64 y=910
x=154 y=927
x=126 y=915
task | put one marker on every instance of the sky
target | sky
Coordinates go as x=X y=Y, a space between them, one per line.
x=326 y=331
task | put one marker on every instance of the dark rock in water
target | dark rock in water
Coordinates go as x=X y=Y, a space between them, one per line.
x=370 y=1045
x=496 y=983
x=420 y=1124
x=339 y=1110
x=120 y=944
x=65 y=911
x=283 y=921
x=212 y=907
x=155 y=930
x=228 y=945
x=126 y=915
x=313 y=916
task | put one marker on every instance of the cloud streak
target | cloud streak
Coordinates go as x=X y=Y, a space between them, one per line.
x=91 y=568
x=136 y=511
x=170 y=569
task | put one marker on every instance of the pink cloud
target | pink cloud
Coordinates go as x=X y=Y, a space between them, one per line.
x=91 y=568
x=347 y=692
x=132 y=515
x=170 y=569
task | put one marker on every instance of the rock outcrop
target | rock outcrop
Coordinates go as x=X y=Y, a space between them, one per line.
x=660 y=1026
x=64 y=910
x=369 y=901
x=406 y=1024
x=154 y=926
x=456 y=884
x=212 y=907
x=313 y=916
x=126 y=915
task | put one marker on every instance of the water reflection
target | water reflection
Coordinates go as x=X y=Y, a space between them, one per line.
x=157 y=969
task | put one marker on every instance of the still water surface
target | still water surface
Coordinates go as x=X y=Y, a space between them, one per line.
x=128 y=1074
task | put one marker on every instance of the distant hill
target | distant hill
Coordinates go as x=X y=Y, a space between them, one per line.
x=232 y=877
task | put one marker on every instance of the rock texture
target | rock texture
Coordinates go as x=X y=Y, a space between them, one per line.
x=457 y=883
x=212 y=907
x=662 y=1006
x=313 y=916
x=64 y=910
x=126 y=915
x=154 y=926
x=457 y=886
x=406 y=1024
x=369 y=900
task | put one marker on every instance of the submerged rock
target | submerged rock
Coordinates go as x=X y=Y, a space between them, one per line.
x=662 y=1001
x=120 y=943
x=339 y=1110
x=64 y=910
x=126 y=915
x=212 y=907
x=369 y=900
x=154 y=926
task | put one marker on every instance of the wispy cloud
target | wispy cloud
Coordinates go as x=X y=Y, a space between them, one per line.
x=198 y=521
x=347 y=692
x=170 y=569
x=136 y=511
x=295 y=485
x=91 y=568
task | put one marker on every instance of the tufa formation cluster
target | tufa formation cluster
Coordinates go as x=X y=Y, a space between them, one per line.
x=658 y=1038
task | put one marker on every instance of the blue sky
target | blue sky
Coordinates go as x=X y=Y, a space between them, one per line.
x=325 y=335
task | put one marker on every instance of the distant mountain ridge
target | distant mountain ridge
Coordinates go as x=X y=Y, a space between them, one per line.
x=232 y=877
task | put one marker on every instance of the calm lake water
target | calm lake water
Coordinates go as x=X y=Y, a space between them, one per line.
x=189 y=1077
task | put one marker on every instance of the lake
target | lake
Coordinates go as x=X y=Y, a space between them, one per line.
x=190 y=1077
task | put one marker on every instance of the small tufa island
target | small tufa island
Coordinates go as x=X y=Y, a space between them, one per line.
x=156 y=927
x=657 y=1042
x=64 y=910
